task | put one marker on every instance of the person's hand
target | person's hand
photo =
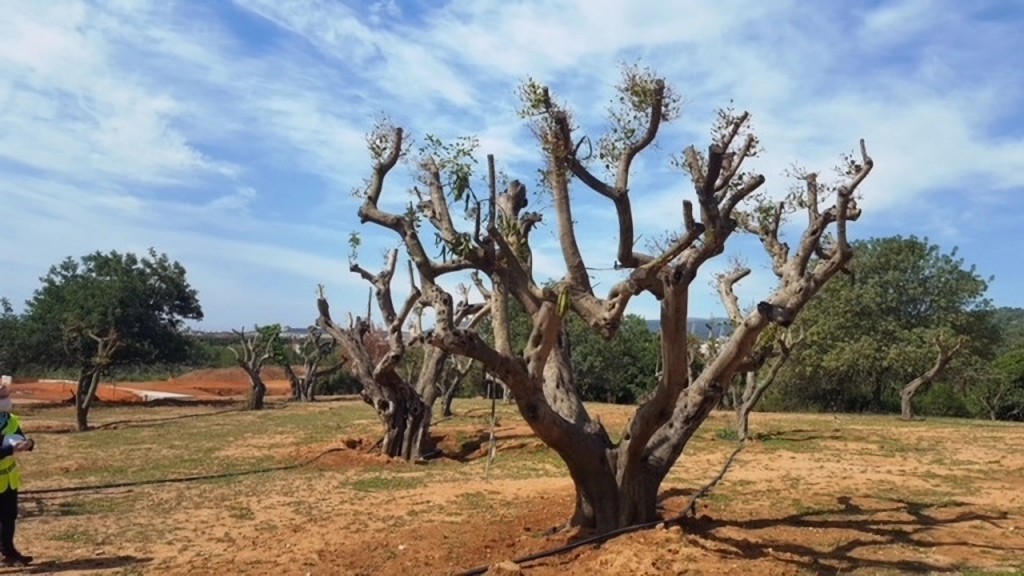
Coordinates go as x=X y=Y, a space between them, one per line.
x=25 y=446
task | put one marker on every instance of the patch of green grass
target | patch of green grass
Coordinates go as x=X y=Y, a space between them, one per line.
x=474 y=499
x=729 y=434
x=790 y=444
x=199 y=443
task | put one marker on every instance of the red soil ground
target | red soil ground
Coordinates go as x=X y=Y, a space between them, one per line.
x=207 y=384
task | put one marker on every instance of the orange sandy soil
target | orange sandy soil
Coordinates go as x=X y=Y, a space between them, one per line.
x=208 y=384
x=814 y=495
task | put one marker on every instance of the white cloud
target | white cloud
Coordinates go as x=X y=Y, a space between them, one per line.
x=146 y=122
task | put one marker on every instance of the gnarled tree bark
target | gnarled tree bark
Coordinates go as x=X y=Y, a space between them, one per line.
x=616 y=483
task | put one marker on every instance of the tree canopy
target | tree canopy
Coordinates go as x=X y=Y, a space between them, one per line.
x=875 y=330
x=145 y=301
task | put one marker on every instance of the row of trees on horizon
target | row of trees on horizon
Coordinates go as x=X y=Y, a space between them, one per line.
x=860 y=343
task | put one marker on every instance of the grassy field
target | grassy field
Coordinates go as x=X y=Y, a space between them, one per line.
x=293 y=490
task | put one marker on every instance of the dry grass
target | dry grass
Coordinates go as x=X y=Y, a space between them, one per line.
x=814 y=495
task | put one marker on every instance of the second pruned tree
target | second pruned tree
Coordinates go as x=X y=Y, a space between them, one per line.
x=404 y=407
x=616 y=482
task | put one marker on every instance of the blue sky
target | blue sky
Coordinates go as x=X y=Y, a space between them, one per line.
x=230 y=134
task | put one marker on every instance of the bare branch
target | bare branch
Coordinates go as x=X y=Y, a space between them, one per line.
x=726 y=283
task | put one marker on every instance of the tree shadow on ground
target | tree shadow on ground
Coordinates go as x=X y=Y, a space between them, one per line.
x=904 y=527
x=61 y=505
x=78 y=565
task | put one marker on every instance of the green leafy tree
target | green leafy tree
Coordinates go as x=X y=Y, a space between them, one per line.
x=896 y=318
x=620 y=370
x=109 y=309
x=999 y=390
x=11 y=338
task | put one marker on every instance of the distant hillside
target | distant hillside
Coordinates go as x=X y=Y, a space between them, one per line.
x=700 y=327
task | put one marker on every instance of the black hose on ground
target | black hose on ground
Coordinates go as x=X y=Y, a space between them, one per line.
x=181 y=479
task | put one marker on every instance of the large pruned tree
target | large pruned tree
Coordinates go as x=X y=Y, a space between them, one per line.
x=616 y=482
x=107 y=309
x=404 y=407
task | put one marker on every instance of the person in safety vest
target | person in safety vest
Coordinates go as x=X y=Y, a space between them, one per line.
x=10 y=479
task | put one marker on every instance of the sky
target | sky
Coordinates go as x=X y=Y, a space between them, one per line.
x=230 y=134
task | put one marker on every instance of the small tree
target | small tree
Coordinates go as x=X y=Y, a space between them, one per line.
x=458 y=369
x=773 y=349
x=946 y=352
x=616 y=482
x=313 y=350
x=404 y=407
x=256 y=350
x=108 y=309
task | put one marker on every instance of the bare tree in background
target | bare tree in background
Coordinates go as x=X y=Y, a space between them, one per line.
x=256 y=350
x=91 y=371
x=616 y=482
x=314 y=350
x=403 y=407
x=769 y=355
x=946 y=352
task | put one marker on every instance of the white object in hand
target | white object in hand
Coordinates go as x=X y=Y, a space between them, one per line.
x=13 y=439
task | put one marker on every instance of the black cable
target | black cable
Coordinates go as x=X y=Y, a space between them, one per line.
x=181 y=479
x=690 y=509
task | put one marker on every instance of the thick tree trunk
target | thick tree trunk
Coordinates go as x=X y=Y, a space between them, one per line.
x=754 y=390
x=447 y=398
x=403 y=419
x=431 y=373
x=257 y=392
x=906 y=400
x=606 y=500
x=747 y=399
x=301 y=387
x=307 y=392
x=618 y=485
x=88 y=382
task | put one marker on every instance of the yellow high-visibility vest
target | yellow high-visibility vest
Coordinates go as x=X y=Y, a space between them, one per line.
x=10 y=477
